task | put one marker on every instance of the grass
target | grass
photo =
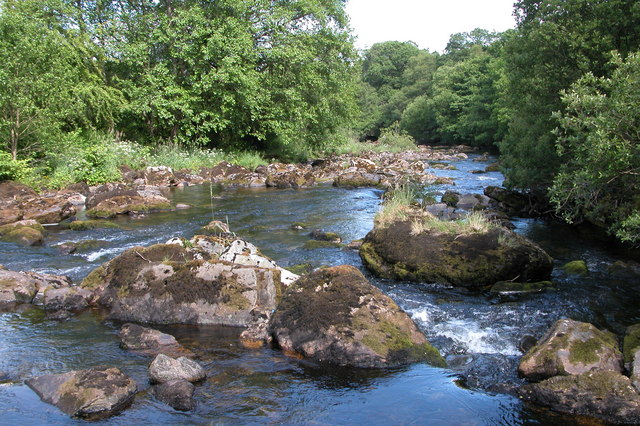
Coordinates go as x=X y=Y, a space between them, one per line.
x=397 y=205
x=474 y=222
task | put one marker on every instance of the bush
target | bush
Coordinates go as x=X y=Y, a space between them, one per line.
x=11 y=169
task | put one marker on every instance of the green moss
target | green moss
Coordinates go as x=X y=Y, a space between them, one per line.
x=6 y=229
x=300 y=269
x=101 y=214
x=390 y=341
x=24 y=235
x=577 y=267
x=631 y=342
x=83 y=225
x=315 y=244
x=299 y=225
x=585 y=352
x=94 y=279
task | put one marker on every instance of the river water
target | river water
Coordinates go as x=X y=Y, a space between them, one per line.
x=478 y=333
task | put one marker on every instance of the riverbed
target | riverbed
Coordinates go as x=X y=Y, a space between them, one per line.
x=478 y=333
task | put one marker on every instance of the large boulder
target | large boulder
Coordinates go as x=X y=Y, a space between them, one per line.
x=603 y=394
x=334 y=315
x=571 y=348
x=89 y=394
x=163 y=369
x=467 y=258
x=148 y=341
x=170 y=284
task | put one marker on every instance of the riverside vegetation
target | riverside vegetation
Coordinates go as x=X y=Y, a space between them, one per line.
x=186 y=84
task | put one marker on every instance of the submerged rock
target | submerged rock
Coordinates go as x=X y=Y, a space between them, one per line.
x=576 y=267
x=164 y=369
x=148 y=341
x=334 y=315
x=170 y=284
x=177 y=394
x=91 y=394
x=607 y=395
x=470 y=259
x=571 y=348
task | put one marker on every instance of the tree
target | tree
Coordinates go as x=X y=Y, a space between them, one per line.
x=599 y=147
x=556 y=42
x=50 y=79
x=236 y=74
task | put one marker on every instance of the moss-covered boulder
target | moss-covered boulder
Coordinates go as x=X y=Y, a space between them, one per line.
x=84 y=225
x=24 y=232
x=576 y=267
x=631 y=342
x=606 y=395
x=50 y=208
x=334 y=315
x=463 y=258
x=171 y=284
x=571 y=348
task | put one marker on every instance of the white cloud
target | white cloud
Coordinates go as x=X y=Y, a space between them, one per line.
x=429 y=23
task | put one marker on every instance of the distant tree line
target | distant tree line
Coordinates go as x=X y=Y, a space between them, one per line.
x=557 y=97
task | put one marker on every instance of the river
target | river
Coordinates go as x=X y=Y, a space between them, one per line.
x=477 y=332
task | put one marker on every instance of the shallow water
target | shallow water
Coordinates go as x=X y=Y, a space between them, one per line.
x=478 y=333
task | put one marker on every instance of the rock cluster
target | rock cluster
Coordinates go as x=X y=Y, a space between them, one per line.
x=578 y=369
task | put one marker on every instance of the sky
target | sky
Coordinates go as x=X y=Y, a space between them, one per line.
x=429 y=23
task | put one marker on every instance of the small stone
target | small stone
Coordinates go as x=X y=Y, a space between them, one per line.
x=164 y=369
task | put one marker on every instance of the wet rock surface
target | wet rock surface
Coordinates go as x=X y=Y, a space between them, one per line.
x=91 y=394
x=335 y=316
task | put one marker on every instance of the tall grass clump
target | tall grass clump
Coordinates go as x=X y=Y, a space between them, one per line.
x=397 y=205
x=474 y=222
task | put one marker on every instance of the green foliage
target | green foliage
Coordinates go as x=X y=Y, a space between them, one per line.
x=384 y=63
x=237 y=75
x=50 y=80
x=396 y=139
x=598 y=145
x=11 y=169
x=557 y=41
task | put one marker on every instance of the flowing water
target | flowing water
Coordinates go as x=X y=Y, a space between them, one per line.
x=478 y=333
